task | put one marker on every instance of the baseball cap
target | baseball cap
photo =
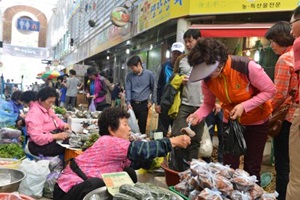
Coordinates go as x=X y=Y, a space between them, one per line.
x=296 y=48
x=202 y=70
x=177 y=46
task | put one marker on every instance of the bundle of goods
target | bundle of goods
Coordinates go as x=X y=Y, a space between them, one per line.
x=9 y=135
x=216 y=181
x=141 y=191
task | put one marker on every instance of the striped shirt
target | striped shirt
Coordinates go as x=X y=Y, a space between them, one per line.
x=285 y=80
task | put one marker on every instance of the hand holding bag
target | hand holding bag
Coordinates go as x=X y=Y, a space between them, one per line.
x=278 y=115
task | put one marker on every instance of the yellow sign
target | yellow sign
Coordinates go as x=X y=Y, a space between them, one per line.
x=200 y=7
x=152 y=13
x=180 y=8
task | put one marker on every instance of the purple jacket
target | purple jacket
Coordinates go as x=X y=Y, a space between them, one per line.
x=99 y=89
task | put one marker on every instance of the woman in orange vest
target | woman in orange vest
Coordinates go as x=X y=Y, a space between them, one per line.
x=245 y=91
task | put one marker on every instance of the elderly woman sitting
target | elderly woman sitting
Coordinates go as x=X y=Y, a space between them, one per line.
x=112 y=152
x=43 y=126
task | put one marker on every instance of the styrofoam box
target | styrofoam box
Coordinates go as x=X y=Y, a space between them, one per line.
x=75 y=123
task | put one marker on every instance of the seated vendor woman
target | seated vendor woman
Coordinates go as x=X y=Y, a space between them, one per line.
x=43 y=126
x=112 y=152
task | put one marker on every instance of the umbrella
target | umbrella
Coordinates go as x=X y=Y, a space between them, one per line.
x=51 y=74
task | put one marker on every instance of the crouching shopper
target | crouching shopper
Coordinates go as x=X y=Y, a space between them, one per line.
x=112 y=152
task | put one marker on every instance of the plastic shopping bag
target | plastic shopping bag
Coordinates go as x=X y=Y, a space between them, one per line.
x=92 y=106
x=36 y=174
x=206 y=146
x=7 y=115
x=133 y=122
x=233 y=139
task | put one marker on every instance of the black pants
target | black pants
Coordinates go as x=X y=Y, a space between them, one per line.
x=78 y=192
x=141 y=114
x=101 y=107
x=164 y=121
x=281 y=153
x=51 y=149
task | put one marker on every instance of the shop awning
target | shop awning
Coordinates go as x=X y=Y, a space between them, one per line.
x=232 y=30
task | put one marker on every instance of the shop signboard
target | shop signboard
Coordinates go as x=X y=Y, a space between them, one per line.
x=110 y=37
x=201 y=7
x=152 y=13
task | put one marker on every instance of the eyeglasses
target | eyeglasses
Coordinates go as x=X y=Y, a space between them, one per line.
x=291 y=23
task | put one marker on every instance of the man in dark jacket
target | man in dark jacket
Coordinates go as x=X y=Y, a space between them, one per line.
x=166 y=70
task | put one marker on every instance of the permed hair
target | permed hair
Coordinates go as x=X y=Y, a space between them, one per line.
x=280 y=33
x=16 y=95
x=209 y=51
x=110 y=117
x=46 y=92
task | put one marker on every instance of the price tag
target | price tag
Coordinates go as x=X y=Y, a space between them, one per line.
x=114 y=180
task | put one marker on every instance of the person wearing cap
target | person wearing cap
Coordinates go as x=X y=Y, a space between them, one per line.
x=139 y=86
x=285 y=80
x=293 y=188
x=191 y=99
x=97 y=89
x=245 y=91
x=166 y=71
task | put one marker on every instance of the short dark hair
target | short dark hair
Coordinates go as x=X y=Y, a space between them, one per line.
x=194 y=33
x=133 y=61
x=28 y=96
x=47 y=92
x=110 y=117
x=16 y=95
x=296 y=13
x=72 y=71
x=280 y=33
x=209 y=51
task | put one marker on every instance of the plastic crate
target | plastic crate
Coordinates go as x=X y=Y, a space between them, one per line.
x=176 y=192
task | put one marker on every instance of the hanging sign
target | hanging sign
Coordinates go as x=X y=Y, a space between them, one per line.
x=120 y=16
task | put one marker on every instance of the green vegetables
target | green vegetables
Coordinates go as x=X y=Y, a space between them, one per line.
x=12 y=150
x=92 y=139
x=60 y=110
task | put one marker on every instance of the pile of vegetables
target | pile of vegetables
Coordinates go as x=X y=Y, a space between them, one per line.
x=60 y=110
x=12 y=150
x=91 y=140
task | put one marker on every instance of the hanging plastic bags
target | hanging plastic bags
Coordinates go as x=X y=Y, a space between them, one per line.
x=206 y=146
x=92 y=106
x=133 y=122
x=233 y=139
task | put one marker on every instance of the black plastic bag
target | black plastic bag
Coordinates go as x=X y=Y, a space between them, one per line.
x=233 y=139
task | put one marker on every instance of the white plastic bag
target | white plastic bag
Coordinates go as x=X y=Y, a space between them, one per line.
x=133 y=122
x=92 y=106
x=206 y=146
x=36 y=173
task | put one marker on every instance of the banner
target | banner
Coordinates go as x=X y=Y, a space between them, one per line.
x=204 y=7
x=152 y=13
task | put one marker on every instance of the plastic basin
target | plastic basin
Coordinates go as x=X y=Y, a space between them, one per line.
x=16 y=177
x=171 y=176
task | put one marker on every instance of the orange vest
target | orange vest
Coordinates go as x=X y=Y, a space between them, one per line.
x=233 y=87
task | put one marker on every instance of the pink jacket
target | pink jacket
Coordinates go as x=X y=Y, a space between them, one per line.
x=39 y=122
